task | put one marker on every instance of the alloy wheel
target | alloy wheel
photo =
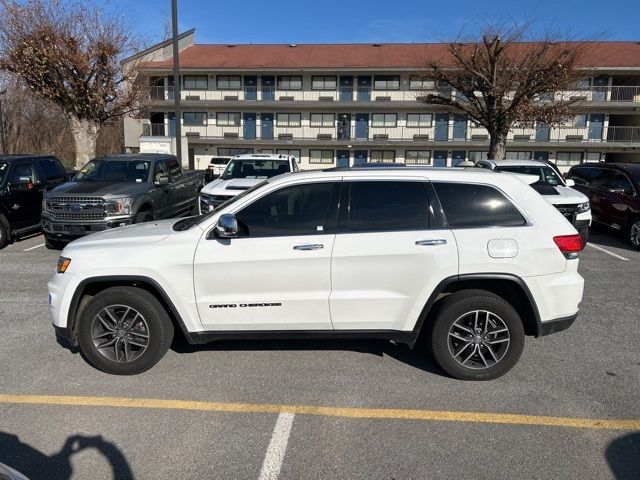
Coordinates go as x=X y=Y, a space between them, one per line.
x=120 y=333
x=634 y=234
x=478 y=339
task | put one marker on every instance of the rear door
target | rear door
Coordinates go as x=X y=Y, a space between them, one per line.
x=181 y=191
x=24 y=202
x=162 y=199
x=51 y=172
x=389 y=254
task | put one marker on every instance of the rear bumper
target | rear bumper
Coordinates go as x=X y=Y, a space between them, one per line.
x=557 y=325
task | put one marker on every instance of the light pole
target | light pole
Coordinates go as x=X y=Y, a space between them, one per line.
x=4 y=151
x=176 y=80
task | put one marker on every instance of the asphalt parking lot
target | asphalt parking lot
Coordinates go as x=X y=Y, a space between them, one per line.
x=324 y=410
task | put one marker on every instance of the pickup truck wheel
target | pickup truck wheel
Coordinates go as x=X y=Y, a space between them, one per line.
x=477 y=335
x=124 y=331
x=3 y=235
x=144 y=216
x=633 y=233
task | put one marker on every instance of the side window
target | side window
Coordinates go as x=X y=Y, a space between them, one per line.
x=174 y=168
x=388 y=206
x=618 y=181
x=50 y=169
x=584 y=175
x=297 y=210
x=469 y=205
x=24 y=172
x=161 y=170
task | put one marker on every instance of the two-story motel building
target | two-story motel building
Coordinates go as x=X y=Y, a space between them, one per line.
x=336 y=105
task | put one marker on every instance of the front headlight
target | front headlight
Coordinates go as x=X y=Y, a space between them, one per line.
x=119 y=206
x=583 y=207
x=63 y=264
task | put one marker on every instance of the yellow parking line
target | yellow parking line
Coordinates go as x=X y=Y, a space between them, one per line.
x=345 y=412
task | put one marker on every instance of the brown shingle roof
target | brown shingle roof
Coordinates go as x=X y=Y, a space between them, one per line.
x=604 y=54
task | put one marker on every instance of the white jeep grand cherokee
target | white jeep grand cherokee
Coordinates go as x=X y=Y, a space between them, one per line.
x=471 y=260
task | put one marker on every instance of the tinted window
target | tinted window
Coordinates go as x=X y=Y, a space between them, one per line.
x=618 y=181
x=584 y=175
x=467 y=205
x=50 y=169
x=388 y=206
x=24 y=172
x=174 y=168
x=296 y=210
x=546 y=175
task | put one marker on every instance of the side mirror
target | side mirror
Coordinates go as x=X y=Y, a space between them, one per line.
x=570 y=182
x=163 y=181
x=227 y=226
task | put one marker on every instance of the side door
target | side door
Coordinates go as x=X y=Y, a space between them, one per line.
x=25 y=195
x=389 y=255
x=617 y=197
x=51 y=172
x=181 y=192
x=275 y=275
x=163 y=204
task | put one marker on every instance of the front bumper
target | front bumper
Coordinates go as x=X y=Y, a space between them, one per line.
x=71 y=229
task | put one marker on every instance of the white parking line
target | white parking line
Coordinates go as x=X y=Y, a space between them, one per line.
x=33 y=248
x=608 y=252
x=277 y=447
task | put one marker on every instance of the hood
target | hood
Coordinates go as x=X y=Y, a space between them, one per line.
x=140 y=234
x=102 y=188
x=231 y=187
x=560 y=195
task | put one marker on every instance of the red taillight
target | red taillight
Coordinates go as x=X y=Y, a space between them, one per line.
x=569 y=244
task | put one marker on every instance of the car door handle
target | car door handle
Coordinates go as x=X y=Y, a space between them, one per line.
x=16 y=206
x=432 y=242
x=309 y=246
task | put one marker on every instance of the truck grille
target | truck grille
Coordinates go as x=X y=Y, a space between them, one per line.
x=76 y=208
x=217 y=200
x=569 y=211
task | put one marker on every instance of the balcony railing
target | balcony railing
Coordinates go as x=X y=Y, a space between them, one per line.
x=367 y=94
x=274 y=133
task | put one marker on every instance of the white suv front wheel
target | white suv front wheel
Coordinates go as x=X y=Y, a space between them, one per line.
x=476 y=335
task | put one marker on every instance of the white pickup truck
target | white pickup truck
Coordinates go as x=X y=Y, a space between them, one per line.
x=242 y=173
x=471 y=259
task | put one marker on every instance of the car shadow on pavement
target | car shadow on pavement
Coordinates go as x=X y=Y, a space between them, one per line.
x=418 y=357
x=605 y=237
x=35 y=464
x=623 y=455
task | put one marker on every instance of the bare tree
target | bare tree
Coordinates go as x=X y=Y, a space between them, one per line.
x=500 y=78
x=70 y=54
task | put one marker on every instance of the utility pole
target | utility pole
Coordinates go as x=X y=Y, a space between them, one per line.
x=176 y=80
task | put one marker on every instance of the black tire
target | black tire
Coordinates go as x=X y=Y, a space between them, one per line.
x=54 y=244
x=4 y=234
x=144 y=216
x=455 y=308
x=633 y=233
x=157 y=326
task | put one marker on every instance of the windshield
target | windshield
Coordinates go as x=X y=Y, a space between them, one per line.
x=546 y=175
x=4 y=168
x=255 y=168
x=189 y=222
x=114 y=171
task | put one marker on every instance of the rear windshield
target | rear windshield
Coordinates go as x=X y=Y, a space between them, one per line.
x=219 y=161
x=114 y=171
x=4 y=168
x=255 y=168
x=546 y=175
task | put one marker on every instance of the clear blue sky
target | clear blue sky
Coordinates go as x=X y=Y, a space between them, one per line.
x=348 y=21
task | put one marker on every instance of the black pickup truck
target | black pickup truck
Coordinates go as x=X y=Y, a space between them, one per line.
x=118 y=190
x=23 y=179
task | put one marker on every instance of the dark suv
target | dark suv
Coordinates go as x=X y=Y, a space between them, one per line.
x=614 y=192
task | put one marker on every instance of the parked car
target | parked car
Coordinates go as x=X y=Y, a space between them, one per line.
x=553 y=187
x=118 y=190
x=23 y=179
x=242 y=173
x=472 y=259
x=215 y=168
x=613 y=190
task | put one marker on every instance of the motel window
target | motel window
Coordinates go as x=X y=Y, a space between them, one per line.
x=386 y=82
x=474 y=156
x=288 y=119
x=578 y=121
x=289 y=151
x=195 y=82
x=384 y=156
x=322 y=120
x=517 y=156
x=324 y=82
x=229 y=82
x=418 y=119
x=417 y=157
x=384 y=120
x=228 y=119
x=321 y=156
x=194 y=118
x=568 y=158
x=232 y=152
x=419 y=83
x=289 y=82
